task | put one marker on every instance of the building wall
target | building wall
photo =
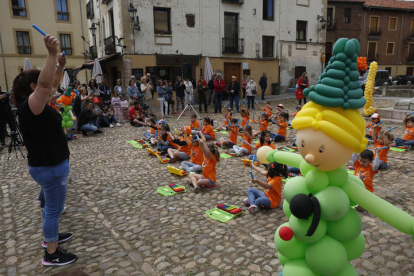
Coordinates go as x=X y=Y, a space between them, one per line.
x=42 y=13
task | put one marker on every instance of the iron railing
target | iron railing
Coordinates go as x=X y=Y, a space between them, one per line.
x=233 y=45
x=375 y=32
x=239 y=2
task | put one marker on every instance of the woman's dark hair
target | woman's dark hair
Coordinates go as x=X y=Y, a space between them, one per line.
x=262 y=136
x=129 y=83
x=21 y=85
x=87 y=102
x=165 y=127
x=277 y=169
x=285 y=115
x=90 y=85
x=208 y=120
x=367 y=154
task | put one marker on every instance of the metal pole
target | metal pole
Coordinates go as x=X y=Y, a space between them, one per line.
x=4 y=63
x=83 y=44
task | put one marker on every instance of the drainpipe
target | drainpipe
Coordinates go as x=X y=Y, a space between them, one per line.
x=399 y=42
x=4 y=64
x=83 y=43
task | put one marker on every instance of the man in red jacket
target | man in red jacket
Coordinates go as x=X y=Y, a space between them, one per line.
x=219 y=86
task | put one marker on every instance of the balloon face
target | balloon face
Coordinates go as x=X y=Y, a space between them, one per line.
x=320 y=150
x=261 y=154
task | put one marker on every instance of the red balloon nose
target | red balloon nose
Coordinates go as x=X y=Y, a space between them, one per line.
x=286 y=233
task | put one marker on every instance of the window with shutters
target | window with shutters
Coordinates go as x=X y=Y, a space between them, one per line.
x=392 y=26
x=19 y=8
x=268 y=46
x=301 y=30
x=62 y=10
x=66 y=44
x=190 y=20
x=390 y=48
x=347 y=15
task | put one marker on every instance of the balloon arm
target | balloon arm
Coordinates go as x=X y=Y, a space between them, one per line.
x=288 y=158
x=71 y=114
x=380 y=208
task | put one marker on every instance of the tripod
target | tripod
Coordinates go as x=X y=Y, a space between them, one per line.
x=188 y=106
x=16 y=137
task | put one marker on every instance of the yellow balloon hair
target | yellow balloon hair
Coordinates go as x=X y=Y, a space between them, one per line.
x=345 y=126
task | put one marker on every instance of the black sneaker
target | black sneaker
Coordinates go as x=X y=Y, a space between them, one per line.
x=62 y=238
x=84 y=133
x=98 y=131
x=60 y=257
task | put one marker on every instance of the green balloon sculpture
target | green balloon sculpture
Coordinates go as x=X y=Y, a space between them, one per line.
x=67 y=116
x=324 y=231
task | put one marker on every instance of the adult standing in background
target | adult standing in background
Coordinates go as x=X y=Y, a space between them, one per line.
x=179 y=93
x=219 y=86
x=146 y=91
x=119 y=88
x=189 y=92
x=211 y=88
x=170 y=92
x=303 y=83
x=202 y=97
x=244 y=84
x=46 y=144
x=234 y=90
x=263 y=84
x=162 y=91
x=133 y=91
x=251 y=91
x=105 y=93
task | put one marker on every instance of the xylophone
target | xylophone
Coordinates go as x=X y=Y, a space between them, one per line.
x=176 y=171
x=177 y=188
x=233 y=154
x=248 y=162
x=153 y=152
x=163 y=159
x=231 y=209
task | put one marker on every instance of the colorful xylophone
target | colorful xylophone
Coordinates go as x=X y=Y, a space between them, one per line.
x=231 y=209
x=176 y=171
x=153 y=152
x=163 y=159
x=248 y=162
x=177 y=188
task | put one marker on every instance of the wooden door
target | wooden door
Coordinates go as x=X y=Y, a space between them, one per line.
x=232 y=69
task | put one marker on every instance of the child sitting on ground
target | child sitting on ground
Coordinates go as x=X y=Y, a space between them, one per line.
x=265 y=140
x=282 y=125
x=227 y=117
x=153 y=129
x=246 y=142
x=266 y=109
x=408 y=139
x=194 y=124
x=375 y=120
x=184 y=150
x=245 y=117
x=383 y=139
x=166 y=140
x=197 y=155
x=208 y=178
x=233 y=133
x=208 y=129
x=272 y=196
x=263 y=123
x=364 y=168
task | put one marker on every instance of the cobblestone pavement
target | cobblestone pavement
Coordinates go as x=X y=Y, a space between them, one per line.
x=122 y=226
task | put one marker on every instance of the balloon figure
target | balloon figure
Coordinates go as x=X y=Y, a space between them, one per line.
x=67 y=115
x=362 y=63
x=324 y=230
x=369 y=89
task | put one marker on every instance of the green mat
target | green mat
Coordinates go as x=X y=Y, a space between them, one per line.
x=224 y=132
x=221 y=215
x=256 y=142
x=225 y=155
x=167 y=191
x=288 y=149
x=215 y=130
x=351 y=171
x=137 y=146
x=398 y=149
x=132 y=142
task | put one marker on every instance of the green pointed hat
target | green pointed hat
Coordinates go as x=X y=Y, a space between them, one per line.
x=338 y=86
x=68 y=91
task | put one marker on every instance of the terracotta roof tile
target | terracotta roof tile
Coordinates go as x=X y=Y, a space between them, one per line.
x=350 y=1
x=393 y=4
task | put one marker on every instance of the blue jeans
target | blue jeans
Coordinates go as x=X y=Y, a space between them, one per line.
x=402 y=142
x=191 y=167
x=217 y=101
x=369 y=137
x=304 y=101
x=148 y=136
x=210 y=95
x=293 y=170
x=234 y=98
x=250 y=100
x=253 y=157
x=183 y=155
x=53 y=181
x=277 y=137
x=208 y=137
x=108 y=121
x=258 y=198
x=92 y=126
x=163 y=148
x=263 y=92
x=382 y=165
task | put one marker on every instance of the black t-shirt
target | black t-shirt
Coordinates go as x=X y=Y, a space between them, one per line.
x=43 y=136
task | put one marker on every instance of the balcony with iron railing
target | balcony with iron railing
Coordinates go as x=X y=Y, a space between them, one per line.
x=239 y=2
x=233 y=45
x=109 y=43
x=374 y=33
x=371 y=58
x=89 y=10
x=410 y=60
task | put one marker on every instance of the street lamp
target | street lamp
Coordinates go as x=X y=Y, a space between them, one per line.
x=93 y=32
x=93 y=29
x=132 y=12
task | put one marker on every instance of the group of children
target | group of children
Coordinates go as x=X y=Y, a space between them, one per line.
x=198 y=153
